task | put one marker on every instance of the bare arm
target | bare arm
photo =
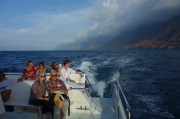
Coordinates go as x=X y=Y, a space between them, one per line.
x=47 y=67
x=6 y=94
x=64 y=90
x=47 y=99
x=71 y=80
x=37 y=72
x=81 y=74
x=24 y=77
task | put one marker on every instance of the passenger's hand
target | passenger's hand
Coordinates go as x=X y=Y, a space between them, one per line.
x=60 y=67
x=29 y=74
x=73 y=81
x=47 y=99
x=82 y=74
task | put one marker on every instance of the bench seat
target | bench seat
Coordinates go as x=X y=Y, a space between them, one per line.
x=20 y=96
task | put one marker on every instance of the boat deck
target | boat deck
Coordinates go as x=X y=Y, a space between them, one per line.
x=108 y=110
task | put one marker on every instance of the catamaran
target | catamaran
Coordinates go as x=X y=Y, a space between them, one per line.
x=83 y=105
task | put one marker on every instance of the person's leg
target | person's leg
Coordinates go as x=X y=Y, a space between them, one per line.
x=57 y=112
x=9 y=108
x=64 y=109
x=44 y=104
x=6 y=94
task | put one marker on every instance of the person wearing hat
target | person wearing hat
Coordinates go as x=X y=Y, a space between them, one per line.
x=58 y=86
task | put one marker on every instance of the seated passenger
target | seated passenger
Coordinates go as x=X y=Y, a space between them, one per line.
x=55 y=67
x=41 y=68
x=4 y=82
x=30 y=69
x=66 y=71
x=37 y=95
x=58 y=85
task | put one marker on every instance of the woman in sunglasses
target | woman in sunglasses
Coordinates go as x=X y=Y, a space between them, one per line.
x=55 y=68
x=38 y=95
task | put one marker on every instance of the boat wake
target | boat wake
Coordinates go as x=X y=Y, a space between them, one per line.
x=90 y=71
x=98 y=85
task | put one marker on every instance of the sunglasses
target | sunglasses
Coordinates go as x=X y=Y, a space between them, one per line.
x=41 y=65
x=3 y=75
x=42 y=76
x=56 y=64
x=53 y=75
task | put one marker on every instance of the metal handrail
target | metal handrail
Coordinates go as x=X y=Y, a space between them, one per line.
x=126 y=102
x=83 y=84
x=70 y=88
x=86 y=78
x=123 y=95
x=26 y=74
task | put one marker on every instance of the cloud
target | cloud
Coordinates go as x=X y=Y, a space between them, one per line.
x=103 y=18
x=127 y=14
x=46 y=29
x=115 y=16
x=80 y=35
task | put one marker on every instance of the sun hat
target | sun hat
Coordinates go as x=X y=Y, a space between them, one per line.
x=58 y=101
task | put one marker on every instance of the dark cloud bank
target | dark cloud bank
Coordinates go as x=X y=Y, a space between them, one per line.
x=117 y=25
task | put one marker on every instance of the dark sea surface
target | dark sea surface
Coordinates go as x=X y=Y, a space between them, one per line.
x=150 y=79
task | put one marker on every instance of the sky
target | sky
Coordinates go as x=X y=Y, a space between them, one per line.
x=46 y=24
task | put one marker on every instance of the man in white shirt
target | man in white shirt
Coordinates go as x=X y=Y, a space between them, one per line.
x=66 y=71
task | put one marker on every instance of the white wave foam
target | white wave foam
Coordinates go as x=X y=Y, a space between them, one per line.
x=87 y=66
x=142 y=69
x=125 y=61
x=115 y=77
x=90 y=70
x=107 y=61
x=100 y=86
x=151 y=104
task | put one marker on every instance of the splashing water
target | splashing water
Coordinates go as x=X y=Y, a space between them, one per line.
x=115 y=77
x=90 y=71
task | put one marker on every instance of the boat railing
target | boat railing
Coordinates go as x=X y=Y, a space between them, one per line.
x=70 y=88
x=119 y=95
x=89 y=84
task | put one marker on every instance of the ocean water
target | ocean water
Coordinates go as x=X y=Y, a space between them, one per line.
x=150 y=79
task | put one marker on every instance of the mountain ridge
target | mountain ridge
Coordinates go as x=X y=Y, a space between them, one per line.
x=165 y=35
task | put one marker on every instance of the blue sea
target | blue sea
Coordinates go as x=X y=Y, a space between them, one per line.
x=150 y=79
